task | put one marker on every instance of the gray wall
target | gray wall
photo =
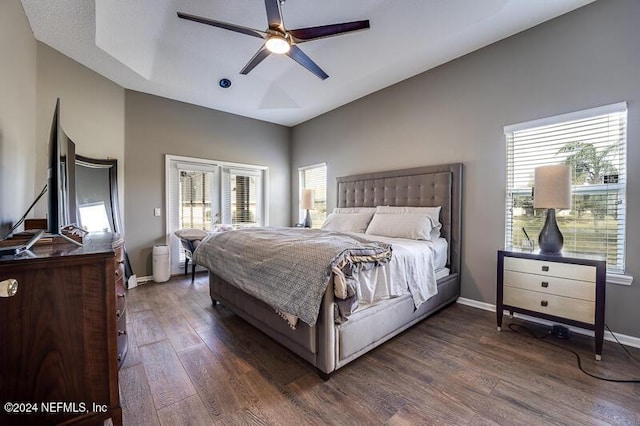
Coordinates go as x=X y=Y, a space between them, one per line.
x=17 y=114
x=158 y=126
x=92 y=112
x=587 y=58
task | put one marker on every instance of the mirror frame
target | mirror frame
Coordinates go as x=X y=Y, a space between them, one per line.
x=112 y=165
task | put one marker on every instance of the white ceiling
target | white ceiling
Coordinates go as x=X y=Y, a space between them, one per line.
x=142 y=45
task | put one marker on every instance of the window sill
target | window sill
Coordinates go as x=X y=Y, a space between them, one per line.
x=619 y=279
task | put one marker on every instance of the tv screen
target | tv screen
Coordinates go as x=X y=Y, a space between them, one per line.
x=61 y=182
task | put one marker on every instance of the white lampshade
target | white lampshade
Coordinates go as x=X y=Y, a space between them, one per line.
x=552 y=187
x=306 y=203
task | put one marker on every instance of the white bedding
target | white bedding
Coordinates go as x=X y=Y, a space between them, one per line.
x=412 y=269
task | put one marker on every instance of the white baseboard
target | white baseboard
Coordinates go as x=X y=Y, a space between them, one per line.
x=144 y=280
x=623 y=338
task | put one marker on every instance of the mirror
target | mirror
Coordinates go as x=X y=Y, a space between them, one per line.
x=97 y=197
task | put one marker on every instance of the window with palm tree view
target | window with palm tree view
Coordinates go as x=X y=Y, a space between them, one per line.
x=593 y=143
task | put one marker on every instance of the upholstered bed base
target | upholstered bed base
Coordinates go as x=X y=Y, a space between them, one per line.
x=329 y=346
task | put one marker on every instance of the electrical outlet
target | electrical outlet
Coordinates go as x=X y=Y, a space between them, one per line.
x=156 y=211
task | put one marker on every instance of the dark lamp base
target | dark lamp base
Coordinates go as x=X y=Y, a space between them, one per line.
x=307 y=220
x=550 y=240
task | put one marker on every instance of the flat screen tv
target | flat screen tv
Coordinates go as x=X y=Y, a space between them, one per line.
x=61 y=182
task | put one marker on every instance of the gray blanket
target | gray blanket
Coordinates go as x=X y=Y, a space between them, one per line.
x=290 y=268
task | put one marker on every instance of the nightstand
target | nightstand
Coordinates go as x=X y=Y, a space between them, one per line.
x=563 y=289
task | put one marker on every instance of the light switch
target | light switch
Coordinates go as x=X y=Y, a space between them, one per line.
x=156 y=211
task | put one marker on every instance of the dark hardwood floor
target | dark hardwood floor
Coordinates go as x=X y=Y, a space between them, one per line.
x=192 y=363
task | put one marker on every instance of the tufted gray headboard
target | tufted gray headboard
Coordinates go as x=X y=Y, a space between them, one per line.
x=428 y=186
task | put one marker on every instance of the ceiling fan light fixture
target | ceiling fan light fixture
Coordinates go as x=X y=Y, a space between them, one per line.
x=277 y=44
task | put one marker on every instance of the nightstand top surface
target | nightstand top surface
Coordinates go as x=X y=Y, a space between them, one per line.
x=565 y=257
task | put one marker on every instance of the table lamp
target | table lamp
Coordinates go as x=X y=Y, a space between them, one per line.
x=552 y=190
x=307 y=204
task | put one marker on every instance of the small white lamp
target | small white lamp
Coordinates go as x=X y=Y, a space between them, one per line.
x=306 y=203
x=552 y=190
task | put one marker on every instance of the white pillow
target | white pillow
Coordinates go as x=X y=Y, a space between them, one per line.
x=352 y=222
x=415 y=226
x=351 y=210
x=191 y=234
x=432 y=212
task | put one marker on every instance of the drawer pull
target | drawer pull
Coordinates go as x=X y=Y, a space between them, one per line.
x=545 y=268
x=119 y=357
x=118 y=313
x=545 y=284
x=122 y=332
x=8 y=288
x=544 y=303
x=120 y=295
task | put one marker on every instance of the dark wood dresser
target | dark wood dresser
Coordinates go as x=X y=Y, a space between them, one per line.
x=63 y=333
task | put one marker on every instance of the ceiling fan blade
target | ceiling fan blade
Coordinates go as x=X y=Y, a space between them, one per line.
x=313 y=33
x=300 y=57
x=274 y=16
x=224 y=25
x=257 y=58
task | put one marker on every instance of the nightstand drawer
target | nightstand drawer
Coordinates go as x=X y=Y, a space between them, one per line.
x=551 y=285
x=551 y=269
x=560 y=306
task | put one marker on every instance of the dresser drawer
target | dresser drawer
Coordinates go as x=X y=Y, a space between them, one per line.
x=584 y=290
x=550 y=304
x=121 y=296
x=121 y=330
x=551 y=269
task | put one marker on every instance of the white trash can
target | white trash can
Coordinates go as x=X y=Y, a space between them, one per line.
x=161 y=264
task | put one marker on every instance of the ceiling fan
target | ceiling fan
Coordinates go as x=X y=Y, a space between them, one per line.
x=279 y=40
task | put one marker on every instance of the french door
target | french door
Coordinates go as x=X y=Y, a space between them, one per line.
x=201 y=194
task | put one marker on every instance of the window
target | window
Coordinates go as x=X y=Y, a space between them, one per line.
x=242 y=197
x=195 y=195
x=203 y=193
x=314 y=177
x=593 y=143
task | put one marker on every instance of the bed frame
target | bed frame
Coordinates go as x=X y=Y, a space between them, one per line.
x=329 y=346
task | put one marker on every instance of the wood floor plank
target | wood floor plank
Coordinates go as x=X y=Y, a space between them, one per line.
x=168 y=381
x=234 y=365
x=179 y=332
x=133 y=356
x=146 y=327
x=218 y=389
x=190 y=411
x=135 y=397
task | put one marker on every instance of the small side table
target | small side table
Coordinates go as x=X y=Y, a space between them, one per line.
x=563 y=289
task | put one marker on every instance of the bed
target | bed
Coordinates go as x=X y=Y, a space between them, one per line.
x=329 y=343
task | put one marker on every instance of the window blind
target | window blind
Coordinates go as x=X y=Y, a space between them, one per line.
x=242 y=197
x=593 y=143
x=195 y=199
x=314 y=177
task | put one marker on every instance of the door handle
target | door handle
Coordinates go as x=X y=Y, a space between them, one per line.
x=8 y=288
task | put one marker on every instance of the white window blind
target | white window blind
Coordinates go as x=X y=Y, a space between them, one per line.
x=593 y=143
x=195 y=198
x=242 y=197
x=314 y=177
